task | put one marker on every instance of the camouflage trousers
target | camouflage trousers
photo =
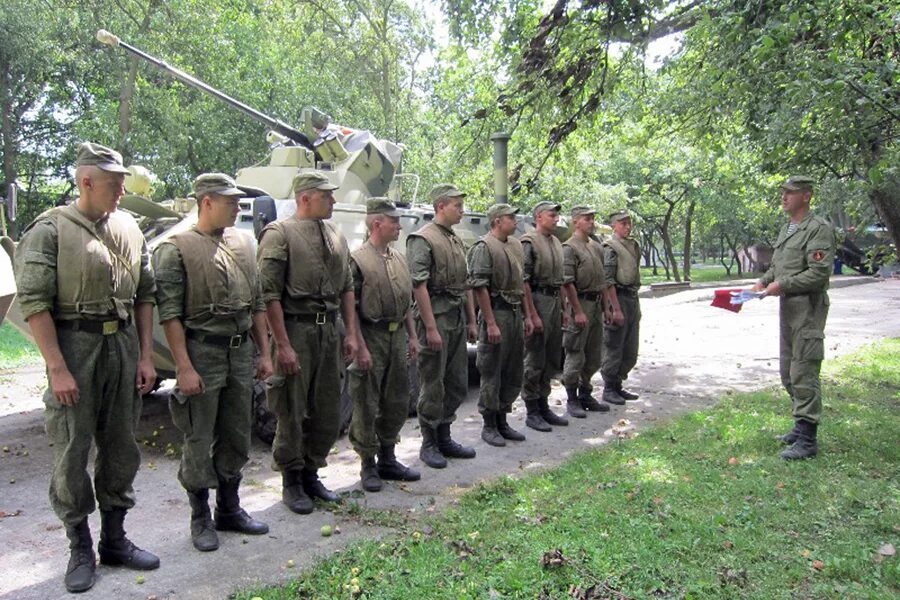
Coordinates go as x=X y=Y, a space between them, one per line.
x=381 y=393
x=501 y=365
x=308 y=404
x=620 y=343
x=584 y=347
x=109 y=406
x=216 y=423
x=543 y=351
x=443 y=375
x=802 y=348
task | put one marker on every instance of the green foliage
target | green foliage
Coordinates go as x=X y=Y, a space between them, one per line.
x=15 y=350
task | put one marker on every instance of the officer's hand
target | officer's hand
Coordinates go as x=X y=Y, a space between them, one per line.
x=472 y=333
x=529 y=327
x=618 y=317
x=146 y=375
x=412 y=350
x=364 y=358
x=581 y=320
x=264 y=368
x=773 y=289
x=287 y=360
x=493 y=333
x=757 y=287
x=189 y=382
x=433 y=339
x=536 y=324
x=351 y=349
x=63 y=385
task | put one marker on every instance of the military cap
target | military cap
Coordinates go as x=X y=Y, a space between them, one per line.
x=215 y=183
x=498 y=210
x=580 y=211
x=618 y=215
x=95 y=155
x=796 y=183
x=545 y=205
x=445 y=190
x=381 y=206
x=311 y=180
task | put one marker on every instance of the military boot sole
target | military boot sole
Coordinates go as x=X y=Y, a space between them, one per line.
x=81 y=578
x=493 y=437
x=554 y=419
x=240 y=522
x=130 y=558
x=297 y=501
x=613 y=398
x=628 y=395
x=393 y=473
x=433 y=459
x=321 y=492
x=370 y=480
x=537 y=423
x=575 y=411
x=512 y=435
x=796 y=452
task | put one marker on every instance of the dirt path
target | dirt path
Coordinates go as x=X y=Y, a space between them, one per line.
x=691 y=354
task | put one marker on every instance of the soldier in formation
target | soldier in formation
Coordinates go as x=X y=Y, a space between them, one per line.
x=210 y=306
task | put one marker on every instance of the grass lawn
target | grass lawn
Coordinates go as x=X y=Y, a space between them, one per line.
x=700 y=507
x=699 y=273
x=15 y=350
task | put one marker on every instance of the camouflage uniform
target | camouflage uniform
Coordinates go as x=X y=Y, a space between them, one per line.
x=621 y=260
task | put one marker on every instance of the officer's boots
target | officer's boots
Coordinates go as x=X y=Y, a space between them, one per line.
x=448 y=447
x=489 y=432
x=392 y=469
x=805 y=445
x=292 y=493
x=429 y=453
x=611 y=396
x=548 y=415
x=203 y=531
x=368 y=475
x=82 y=562
x=627 y=394
x=534 y=419
x=314 y=487
x=573 y=404
x=589 y=403
x=791 y=436
x=505 y=430
x=116 y=549
x=229 y=514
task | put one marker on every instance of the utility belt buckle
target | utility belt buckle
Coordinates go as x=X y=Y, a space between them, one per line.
x=235 y=341
x=321 y=318
x=110 y=327
x=392 y=327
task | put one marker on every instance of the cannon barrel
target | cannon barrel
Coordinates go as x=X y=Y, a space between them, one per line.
x=284 y=129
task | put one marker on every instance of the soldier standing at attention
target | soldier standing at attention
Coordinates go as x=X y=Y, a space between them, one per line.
x=496 y=265
x=378 y=379
x=801 y=266
x=305 y=276
x=585 y=286
x=209 y=300
x=84 y=278
x=543 y=349
x=621 y=333
x=445 y=317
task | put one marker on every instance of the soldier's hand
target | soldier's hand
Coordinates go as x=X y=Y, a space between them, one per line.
x=773 y=289
x=536 y=324
x=189 y=382
x=63 y=385
x=581 y=320
x=146 y=375
x=351 y=349
x=565 y=320
x=264 y=367
x=287 y=360
x=757 y=287
x=618 y=317
x=364 y=358
x=412 y=350
x=472 y=333
x=529 y=327
x=433 y=339
x=493 y=333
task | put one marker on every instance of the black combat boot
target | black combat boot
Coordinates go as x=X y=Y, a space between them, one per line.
x=229 y=514
x=489 y=432
x=82 y=562
x=116 y=549
x=805 y=445
x=611 y=395
x=573 y=404
x=549 y=416
x=589 y=403
x=392 y=469
x=368 y=475
x=292 y=493
x=203 y=531
x=628 y=395
x=791 y=436
x=450 y=448
x=429 y=452
x=314 y=487
x=534 y=418
x=505 y=430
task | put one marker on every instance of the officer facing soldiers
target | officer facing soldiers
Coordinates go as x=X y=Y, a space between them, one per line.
x=209 y=300
x=437 y=263
x=621 y=332
x=543 y=349
x=496 y=265
x=84 y=278
x=801 y=266
x=378 y=379
x=585 y=287
x=305 y=277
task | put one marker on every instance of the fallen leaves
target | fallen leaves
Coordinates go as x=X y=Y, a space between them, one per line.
x=553 y=559
x=818 y=565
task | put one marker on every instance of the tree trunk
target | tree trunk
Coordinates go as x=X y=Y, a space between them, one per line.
x=727 y=265
x=10 y=148
x=667 y=243
x=687 y=239
x=888 y=207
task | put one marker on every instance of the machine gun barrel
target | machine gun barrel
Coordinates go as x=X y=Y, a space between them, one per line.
x=110 y=39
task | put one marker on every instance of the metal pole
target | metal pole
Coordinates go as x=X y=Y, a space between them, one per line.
x=501 y=175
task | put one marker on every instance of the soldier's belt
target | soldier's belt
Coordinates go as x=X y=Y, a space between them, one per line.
x=390 y=326
x=498 y=303
x=626 y=291
x=96 y=327
x=319 y=318
x=590 y=296
x=225 y=341
x=545 y=290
